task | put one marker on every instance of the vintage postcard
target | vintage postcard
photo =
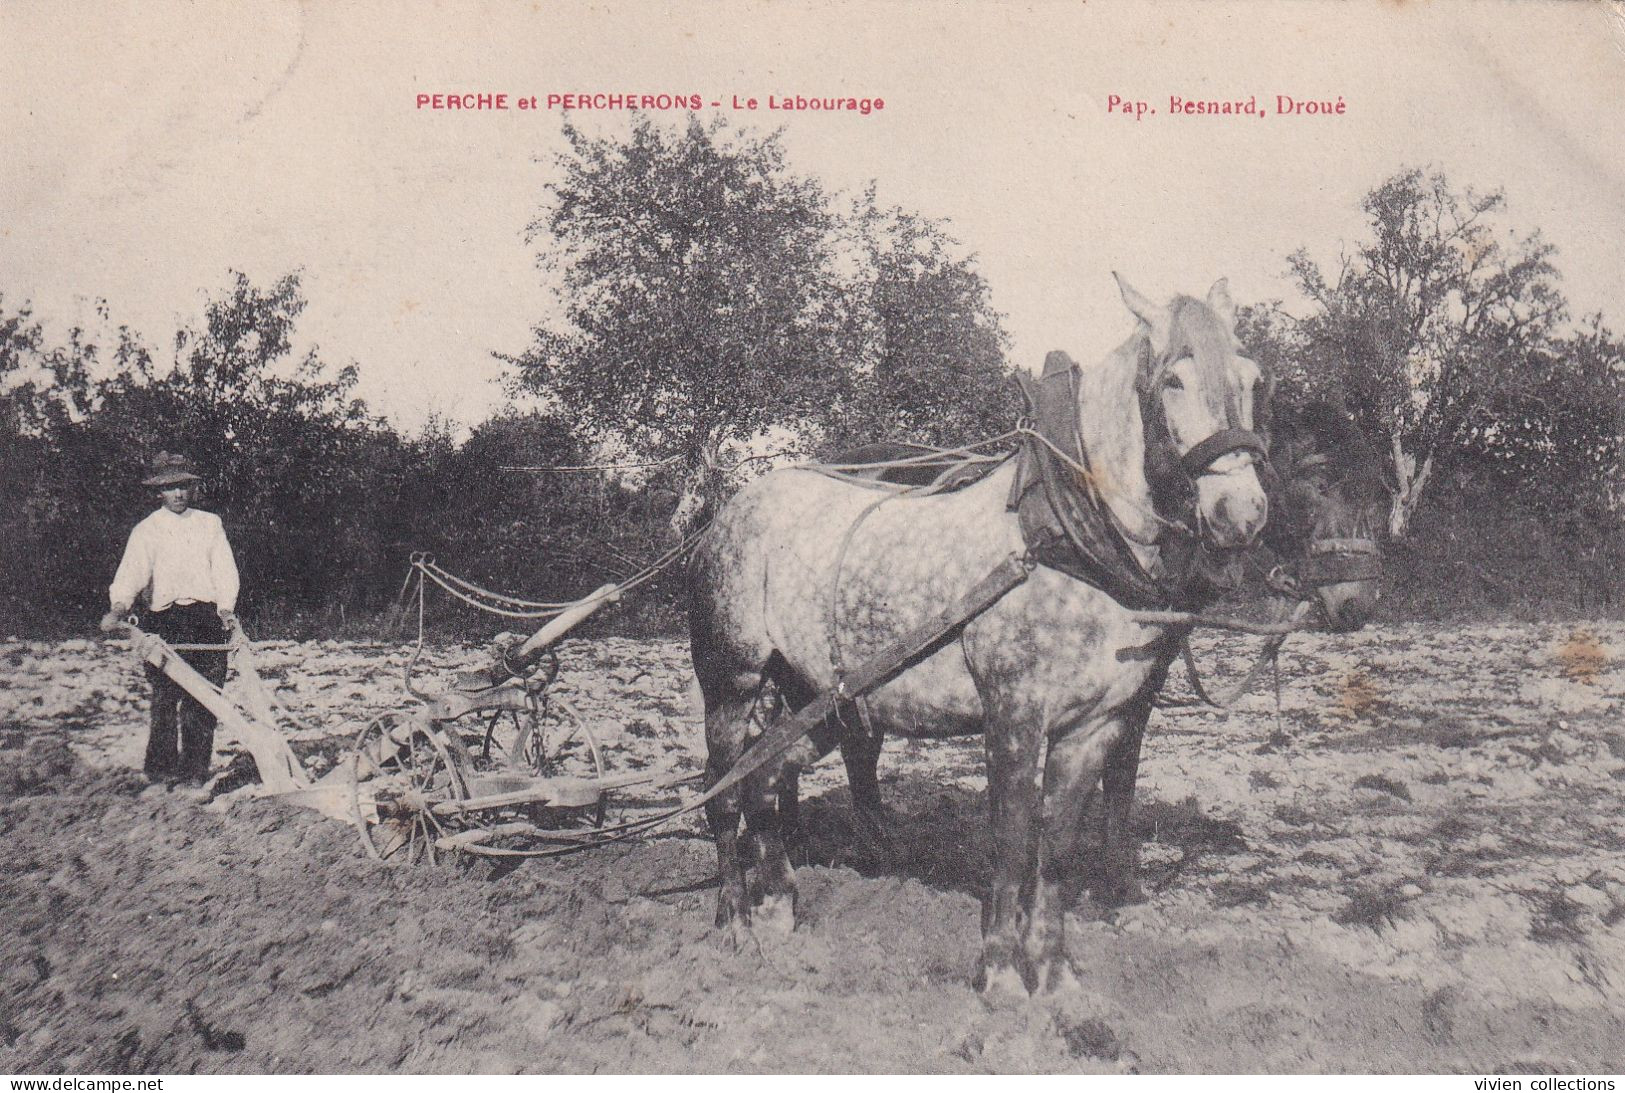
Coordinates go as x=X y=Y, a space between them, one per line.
x=813 y=537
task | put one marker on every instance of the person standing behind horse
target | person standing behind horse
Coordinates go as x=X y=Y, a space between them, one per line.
x=180 y=558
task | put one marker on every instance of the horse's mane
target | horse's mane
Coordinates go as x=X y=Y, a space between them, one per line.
x=1111 y=423
x=1148 y=457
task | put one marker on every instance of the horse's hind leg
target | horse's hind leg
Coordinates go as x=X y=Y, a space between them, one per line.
x=771 y=827
x=775 y=876
x=773 y=809
x=727 y=725
x=790 y=826
x=860 y=751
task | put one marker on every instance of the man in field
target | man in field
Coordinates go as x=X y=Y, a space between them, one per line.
x=180 y=559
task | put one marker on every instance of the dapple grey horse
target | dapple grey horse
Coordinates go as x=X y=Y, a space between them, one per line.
x=802 y=575
x=1328 y=501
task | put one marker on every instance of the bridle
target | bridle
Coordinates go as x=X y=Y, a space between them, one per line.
x=1328 y=559
x=1201 y=456
x=1185 y=468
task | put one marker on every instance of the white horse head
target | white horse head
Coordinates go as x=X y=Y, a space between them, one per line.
x=1191 y=373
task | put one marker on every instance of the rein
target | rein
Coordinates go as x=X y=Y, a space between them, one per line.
x=423 y=568
x=1268 y=655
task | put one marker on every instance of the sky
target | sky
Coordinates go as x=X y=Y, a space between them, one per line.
x=150 y=148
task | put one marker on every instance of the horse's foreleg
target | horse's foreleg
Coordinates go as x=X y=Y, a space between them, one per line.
x=1014 y=773
x=1118 y=874
x=1072 y=769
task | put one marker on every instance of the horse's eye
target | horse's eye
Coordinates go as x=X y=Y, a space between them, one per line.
x=1175 y=383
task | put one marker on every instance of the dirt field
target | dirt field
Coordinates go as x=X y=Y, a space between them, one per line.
x=1416 y=864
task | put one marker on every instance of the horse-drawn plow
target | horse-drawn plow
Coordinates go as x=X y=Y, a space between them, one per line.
x=489 y=768
x=497 y=765
x=494 y=766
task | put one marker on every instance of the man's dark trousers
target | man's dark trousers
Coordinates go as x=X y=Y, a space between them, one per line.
x=172 y=708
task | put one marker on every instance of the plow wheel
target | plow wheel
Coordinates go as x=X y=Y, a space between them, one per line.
x=402 y=769
x=546 y=741
x=561 y=748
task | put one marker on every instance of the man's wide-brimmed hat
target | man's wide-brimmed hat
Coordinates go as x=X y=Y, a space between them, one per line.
x=171 y=469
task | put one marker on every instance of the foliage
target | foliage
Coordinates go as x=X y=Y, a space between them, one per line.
x=1427 y=323
x=513 y=520
x=292 y=462
x=713 y=297
x=927 y=363
x=1556 y=438
x=697 y=279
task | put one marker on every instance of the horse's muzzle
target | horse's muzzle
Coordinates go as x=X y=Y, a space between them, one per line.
x=1232 y=505
x=1348 y=605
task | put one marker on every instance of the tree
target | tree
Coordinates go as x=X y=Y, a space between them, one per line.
x=20 y=338
x=712 y=297
x=300 y=470
x=701 y=306
x=927 y=363
x=1557 y=437
x=1426 y=323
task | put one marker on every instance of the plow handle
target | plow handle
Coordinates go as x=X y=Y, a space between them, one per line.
x=279 y=769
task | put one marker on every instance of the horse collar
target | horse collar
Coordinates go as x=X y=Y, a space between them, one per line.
x=1065 y=523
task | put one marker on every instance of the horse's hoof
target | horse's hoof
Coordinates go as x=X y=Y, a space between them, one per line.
x=1001 y=982
x=776 y=914
x=1058 y=978
x=737 y=937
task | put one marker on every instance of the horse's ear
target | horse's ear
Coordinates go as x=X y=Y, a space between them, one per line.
x=1218 y=299
x=1152 y=315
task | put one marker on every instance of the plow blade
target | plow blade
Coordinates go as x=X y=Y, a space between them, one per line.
x=331 y=796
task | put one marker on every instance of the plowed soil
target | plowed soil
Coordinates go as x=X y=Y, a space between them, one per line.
x=1414 y=862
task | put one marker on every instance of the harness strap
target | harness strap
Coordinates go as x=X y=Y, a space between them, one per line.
x=1343 y=546
x=1334 y=561
x=837 y=662
x=1196 y=461
x=1065 y=521
x=876 y=670
x=1269 y=656
x=873 y=672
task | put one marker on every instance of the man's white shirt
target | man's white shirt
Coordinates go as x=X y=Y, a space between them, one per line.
x=180 y=557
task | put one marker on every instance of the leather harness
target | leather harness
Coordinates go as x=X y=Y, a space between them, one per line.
x=1066 y=523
